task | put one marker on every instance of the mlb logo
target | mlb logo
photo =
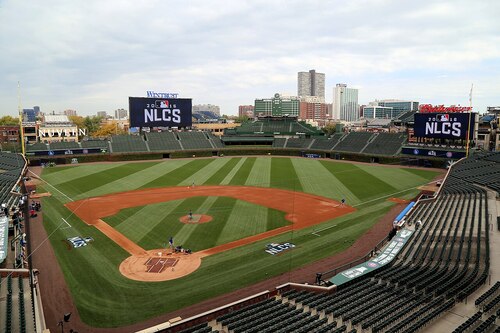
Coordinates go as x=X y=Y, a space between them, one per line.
x=163 y=104
x=443 y=117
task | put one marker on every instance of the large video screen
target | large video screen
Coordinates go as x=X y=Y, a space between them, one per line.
x=160 y=112
x=444 y=125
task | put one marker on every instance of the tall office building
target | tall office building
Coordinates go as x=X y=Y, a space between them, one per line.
x=311 y=84
x=70 y=112
x=121 y=114
x=345 y=103
x=398 y=106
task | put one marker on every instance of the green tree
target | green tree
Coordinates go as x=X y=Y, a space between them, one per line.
x=9 y=120
x=329 y=128
x=92 y=124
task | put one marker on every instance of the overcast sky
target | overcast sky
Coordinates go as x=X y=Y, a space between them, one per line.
x=91 y=55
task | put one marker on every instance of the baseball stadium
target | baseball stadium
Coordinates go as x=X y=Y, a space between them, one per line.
x=270 y=228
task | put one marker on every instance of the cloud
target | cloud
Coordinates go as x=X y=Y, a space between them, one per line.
x=91 y=55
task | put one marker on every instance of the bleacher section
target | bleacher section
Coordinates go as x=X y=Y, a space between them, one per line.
x=11 y=168
x=16 y=310
x=194 y=140
x=162 y=141
x=128 y=143
x=103 y=144
x=385 y=144
x=298 y=143
x=37 y=147
x=326 y=143
x=354 y=142
x=216 y=141
x=64 y=145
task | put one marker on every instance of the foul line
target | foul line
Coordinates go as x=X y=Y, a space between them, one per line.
x=43 y=180
x=69 y=225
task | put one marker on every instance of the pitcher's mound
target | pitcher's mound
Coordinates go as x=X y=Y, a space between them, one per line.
x=196 y=219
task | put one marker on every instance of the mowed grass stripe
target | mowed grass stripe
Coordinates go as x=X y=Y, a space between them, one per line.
x=138 y=225
x=341 y=191
x=230 y=175
x=260 y=175
x=87 y=183
x=363 y=184
x=315 y=178
x=203 y=174
x=425 y=174
x=177 y=176
x=243 y=172
x=245 y=220
x=59 y=175
x=185 y=232
x=283 y=175
x=217 y=177
x=205 y=235
x=398 y=178
x=170 y=224
x=136 y=180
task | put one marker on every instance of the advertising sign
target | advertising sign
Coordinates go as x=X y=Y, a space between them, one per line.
x=429 y=108
x=433 y=152
x=444 y=125
x=386 y=256
x=160 y=112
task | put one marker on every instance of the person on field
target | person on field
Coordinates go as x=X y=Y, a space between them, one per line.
x=190 y=214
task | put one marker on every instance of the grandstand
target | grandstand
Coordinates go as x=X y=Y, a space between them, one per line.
x=445 y=261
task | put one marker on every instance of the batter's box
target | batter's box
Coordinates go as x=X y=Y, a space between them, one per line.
x=158 y=264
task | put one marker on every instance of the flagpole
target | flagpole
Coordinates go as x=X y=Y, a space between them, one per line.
x=20 y=117
x=468 y=126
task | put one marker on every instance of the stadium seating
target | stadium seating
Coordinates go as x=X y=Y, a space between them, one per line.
x=385 y=144
x=161 y=141
x=298 y=143
x=16 y=311
x=128 y=143
x=326 y=143
x=354 y=142
x=64 y=145
x=103 y=144
x=39 y=146
x=194 y=140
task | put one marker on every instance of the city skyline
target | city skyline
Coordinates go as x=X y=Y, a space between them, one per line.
x=230 y=54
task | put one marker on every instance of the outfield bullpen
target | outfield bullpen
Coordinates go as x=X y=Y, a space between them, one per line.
x=106 y=298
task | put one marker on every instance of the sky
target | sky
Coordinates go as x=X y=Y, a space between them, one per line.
x=92 y=55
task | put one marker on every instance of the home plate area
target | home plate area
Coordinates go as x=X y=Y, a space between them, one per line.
x=157 y=265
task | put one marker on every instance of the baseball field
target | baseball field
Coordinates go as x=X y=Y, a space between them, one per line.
x=120 y=268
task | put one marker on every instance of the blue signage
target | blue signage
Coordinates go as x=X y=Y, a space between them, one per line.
x=444 y=125
x=160 y=112
x=429 y=152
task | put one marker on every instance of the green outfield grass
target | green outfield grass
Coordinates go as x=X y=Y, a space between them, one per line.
x=107 y=299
